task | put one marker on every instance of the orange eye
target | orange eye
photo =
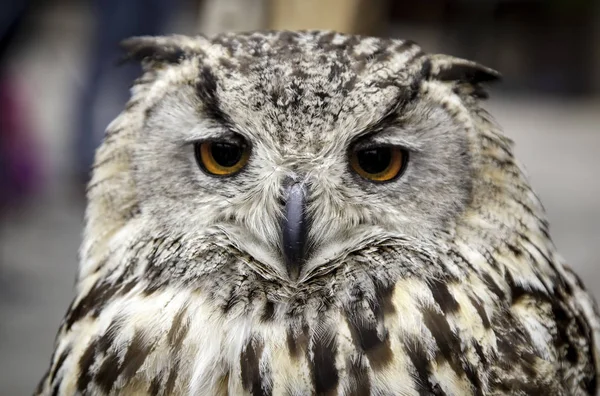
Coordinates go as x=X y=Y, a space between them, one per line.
x=221 y=158
x=378 y=164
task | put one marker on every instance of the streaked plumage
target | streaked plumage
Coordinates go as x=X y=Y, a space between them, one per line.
x=444 y=281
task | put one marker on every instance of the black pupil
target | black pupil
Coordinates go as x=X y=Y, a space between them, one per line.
x=374 y=160
x=226 y=154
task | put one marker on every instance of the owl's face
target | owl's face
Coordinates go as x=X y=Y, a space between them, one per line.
x=301 y=149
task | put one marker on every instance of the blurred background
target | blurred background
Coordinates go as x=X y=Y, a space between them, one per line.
x=60 y=87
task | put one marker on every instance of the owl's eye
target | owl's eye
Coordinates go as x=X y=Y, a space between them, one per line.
x=379 y=164
x=221 y=158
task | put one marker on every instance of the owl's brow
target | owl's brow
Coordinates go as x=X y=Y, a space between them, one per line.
x=206 y=89
x=405 y=96
x=389 y=115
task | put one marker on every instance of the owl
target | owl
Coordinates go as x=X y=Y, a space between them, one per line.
x=313 y=213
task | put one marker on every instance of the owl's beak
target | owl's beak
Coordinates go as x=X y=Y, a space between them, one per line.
x=294 y=228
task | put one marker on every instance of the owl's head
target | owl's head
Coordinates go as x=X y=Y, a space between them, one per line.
x=293 y=148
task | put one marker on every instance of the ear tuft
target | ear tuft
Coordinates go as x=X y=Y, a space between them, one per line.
x=467 y=75
x=153 y=50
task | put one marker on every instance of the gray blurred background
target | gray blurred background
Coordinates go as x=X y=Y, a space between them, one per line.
x=59 y=88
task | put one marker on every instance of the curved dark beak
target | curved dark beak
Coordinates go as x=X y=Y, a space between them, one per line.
x=294 y=228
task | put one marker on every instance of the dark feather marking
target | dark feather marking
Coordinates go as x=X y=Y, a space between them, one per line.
x=268 y=313
x=42 y=384
x=458 y=257
x=157 y=247
x=149 y=112
x=363 y=329
x=418 y=356
x=299 y=344
x=231 y=301
x=365 y=337
x=46 y=375
x=443 y=297
x=113 y=157
x=152 y=287
x=493 y=286
x=360 y=384
x=173 y=374
x=100 y=293
x=591 y=384
x=489 y=258
x=222 y=385
x=481 y=311
x=249 y=363
x=324 y=373
x=479 y=92
x=143 y=80
x=475 y=90
x=448 y=343
x=112 y=132
x=563 y=342
x=126 y=277
x=92 y=185
x=348 y=86
x=206 y=89
x=473 y=377
x=127 y=287
x=518 y=291
x=543 y=223
x=514 y=250
x=335 y=71
x=469 y=73
x=131 y=104
x=56 y=389
x=437 y=390
x=59 y=363
x=146 y=48
x=154 y=389
x=576 y=278
x=380 y=354
x=85 y=363
x=529 y=386
x=583 y=330
x=536 y=247
x=406 y=45
x=111 y=368
x=528 y=360
x=418 y=80
x=135 y=356
x=291 y=343
x=133 y=210
x=107 y=339
x=479 y=351
x=384 y=295
x=178 y=330
x=389 y=116
x=108 y=372
x=511 y=346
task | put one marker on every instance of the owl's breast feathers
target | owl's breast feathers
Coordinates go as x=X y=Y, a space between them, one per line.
x=423 y=332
